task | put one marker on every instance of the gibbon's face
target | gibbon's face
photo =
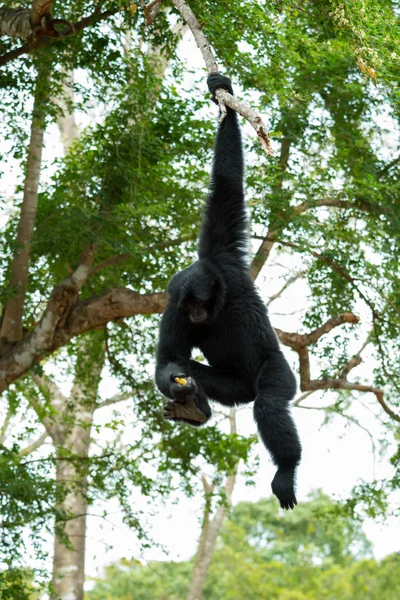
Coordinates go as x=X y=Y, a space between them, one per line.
x=196 y=310
x=195 y=291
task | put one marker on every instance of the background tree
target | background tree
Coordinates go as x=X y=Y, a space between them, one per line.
x=90 y=240
x=264 y=552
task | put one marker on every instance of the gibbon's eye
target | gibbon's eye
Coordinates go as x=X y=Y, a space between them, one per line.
x=186 y=306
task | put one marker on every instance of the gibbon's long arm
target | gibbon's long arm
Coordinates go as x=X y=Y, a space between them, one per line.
x=224 y=222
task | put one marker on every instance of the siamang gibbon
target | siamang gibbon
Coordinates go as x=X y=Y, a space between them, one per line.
x=214 y=306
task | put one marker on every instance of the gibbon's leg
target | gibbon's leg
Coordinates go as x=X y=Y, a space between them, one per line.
x=222 y=385
x=276 y=387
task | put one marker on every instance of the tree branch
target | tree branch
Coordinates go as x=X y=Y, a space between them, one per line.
x=11 y=326
x=41 y=339
x=271 y=237
x=41 y=9
x=47 y=40
x=285 y=286
x=16 y=22
x=34 y=445
x=223 y=97
x=5 y=424
x=151 y=10
x=300 y=343
x=115 y=399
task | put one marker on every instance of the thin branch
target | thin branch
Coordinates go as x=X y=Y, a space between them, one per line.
x=5 y=424
x=387 y=167
x=223 y=97
x=115 y=399
x=150 y=10
x=300 y=343
x=332 y=264
x=34 y=445
x=287 y=284
x=302 y=397
x=345 y=416
x=271 y=237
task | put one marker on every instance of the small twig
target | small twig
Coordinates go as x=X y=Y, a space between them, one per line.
x=287 y=284
x=115 y=399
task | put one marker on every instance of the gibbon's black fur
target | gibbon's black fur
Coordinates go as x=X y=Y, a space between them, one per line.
x=214 y=306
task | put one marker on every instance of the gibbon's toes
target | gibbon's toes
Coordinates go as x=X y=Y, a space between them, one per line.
x=283 y=488
x=184 y=411
x=288 y=503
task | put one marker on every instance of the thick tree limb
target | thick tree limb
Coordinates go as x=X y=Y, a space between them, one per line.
x=11 y=327
x=117 y=303
x=24 y=23
x=223 y=97
x=40 y=340
x=48 y=39
x=16 y=22
x=41 y=9
x=65 y=318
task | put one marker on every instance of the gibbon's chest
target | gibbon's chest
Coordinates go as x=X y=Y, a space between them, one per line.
x=239 y=338
x=222 y=342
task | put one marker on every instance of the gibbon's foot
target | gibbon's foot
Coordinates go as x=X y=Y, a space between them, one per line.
x=283 y=487
x=185 y=411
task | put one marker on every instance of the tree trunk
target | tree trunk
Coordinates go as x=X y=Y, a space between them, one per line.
x=11 y=327
x=74 y=442
x=210 y=531
x=69 y=561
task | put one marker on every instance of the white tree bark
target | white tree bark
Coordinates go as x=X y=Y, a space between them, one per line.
x=211 y=530
x=74 y=440
x=223 y=97
x=11 y=327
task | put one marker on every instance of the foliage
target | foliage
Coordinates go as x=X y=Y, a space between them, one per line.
x=28 y=497
x=326 y=75
x=257 y=558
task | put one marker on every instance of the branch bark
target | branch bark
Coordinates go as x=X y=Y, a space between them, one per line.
x=41 y=339
x=74 y=436
x=23 y=22
x=34 y=445
x=300 y=343
x=16 y=22
x=54 y=37
x=11 y=327
x=223 y=97
x=272 y=235
x=211 y=528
